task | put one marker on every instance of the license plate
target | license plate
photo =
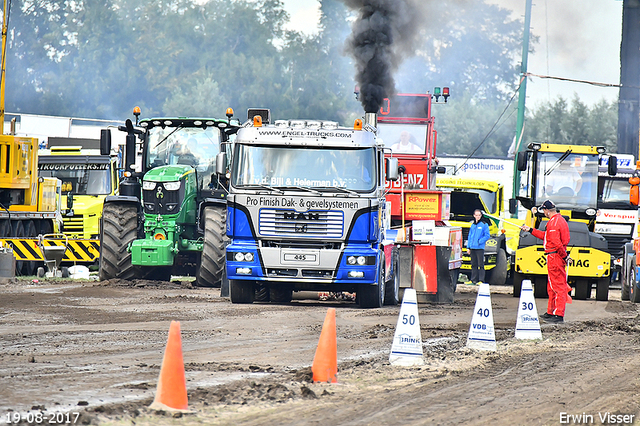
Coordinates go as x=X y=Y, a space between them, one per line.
x=299 y=257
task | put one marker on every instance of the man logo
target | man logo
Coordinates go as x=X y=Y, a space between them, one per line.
x=301 y=228
x=301 y=216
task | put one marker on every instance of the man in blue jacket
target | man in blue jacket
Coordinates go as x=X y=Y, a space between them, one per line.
x=478 y=236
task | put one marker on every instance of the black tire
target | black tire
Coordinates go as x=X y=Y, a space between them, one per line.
x=46 y=227
x=17 y=231
x=602 y=288
x=628 y=278
x=30 y=231
x=241 y=291
x=212 y=261
x=41 y=272
x=634 y=291
x=392 y=287
x=540 y=287
x=583 y=289
x=262 y=292
x=517 y=283
x=370 y=295
x=498 y=275
x=5 y=228
x=280 y=293
x=119 y=229
x=64 y=272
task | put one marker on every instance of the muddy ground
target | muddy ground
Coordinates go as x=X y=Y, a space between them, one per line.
x=95 y=348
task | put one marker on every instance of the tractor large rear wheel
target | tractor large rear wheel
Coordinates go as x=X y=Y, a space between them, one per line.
x=212 y=261
x=119 y=229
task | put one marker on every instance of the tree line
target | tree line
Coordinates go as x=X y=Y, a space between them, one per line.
x=98 y=59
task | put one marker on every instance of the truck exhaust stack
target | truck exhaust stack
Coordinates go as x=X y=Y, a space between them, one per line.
x=371 y=118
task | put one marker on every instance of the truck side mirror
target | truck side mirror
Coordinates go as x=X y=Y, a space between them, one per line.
x=513 y=205
x=612 y=167
x=391 y=168
x=521 y=161
x=105 y=141
x=221 y=163
x=69 y=204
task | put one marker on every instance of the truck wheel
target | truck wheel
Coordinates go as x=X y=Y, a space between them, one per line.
x=212 y=261
x=372 y=296
x=540 y=288
x=280 y=293
x=634 y=291
x=30 y=231
x=627 y=279
x=583 y=289
x=392 y=287
x=602 y=288
x=455 y=275
x=119 y=229
x=17 y=231
x=498 y=275
x=517 y=283
x=262 y=292
x=241 y=291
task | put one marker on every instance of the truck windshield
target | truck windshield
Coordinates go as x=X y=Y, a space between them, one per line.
x=191 y=146
x=614 y=193
x=348 y=168
x=80 y=179
x=569 y=180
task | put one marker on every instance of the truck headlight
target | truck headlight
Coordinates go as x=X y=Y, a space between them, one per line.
x=351 y=260
x=361 y=260
x=172 y=186
x=148 y=185
x=239 y=257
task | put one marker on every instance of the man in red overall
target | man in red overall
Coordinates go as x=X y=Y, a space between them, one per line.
x=556 y=238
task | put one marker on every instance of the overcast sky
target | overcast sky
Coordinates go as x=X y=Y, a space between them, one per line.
x=578 y=39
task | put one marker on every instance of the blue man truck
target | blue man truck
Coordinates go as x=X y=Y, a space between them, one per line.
x=305 y=211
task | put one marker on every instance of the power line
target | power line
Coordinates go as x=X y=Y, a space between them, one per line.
x=492 y=127
x=594 y=83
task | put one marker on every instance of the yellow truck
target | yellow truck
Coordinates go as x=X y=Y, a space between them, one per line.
x=87 y=179
x=469 y=194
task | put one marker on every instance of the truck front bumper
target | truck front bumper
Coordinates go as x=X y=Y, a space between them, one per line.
x=326 y=266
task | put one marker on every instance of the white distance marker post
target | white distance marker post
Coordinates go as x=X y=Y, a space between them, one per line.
x=406 y=349
x=528 y=323
x=481 y=331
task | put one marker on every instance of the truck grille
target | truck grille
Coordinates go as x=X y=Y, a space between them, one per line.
x=314 y=224
x=615 y=244
x=73 y=224
x=169 y=203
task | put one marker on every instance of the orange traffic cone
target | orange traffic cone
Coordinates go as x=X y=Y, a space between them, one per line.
x=325 y=362
x=171 y=394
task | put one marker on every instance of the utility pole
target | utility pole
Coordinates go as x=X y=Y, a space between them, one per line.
x=629 y=98
x=522 y=94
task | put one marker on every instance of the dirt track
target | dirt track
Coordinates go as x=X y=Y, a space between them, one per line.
x=95 y=349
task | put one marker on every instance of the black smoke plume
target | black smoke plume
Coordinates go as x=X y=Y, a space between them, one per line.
x=383 y=35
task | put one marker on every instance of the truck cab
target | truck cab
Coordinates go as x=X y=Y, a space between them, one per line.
x=305 y=211
x=87 y=179
x=617 y=218
x=467 y=195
